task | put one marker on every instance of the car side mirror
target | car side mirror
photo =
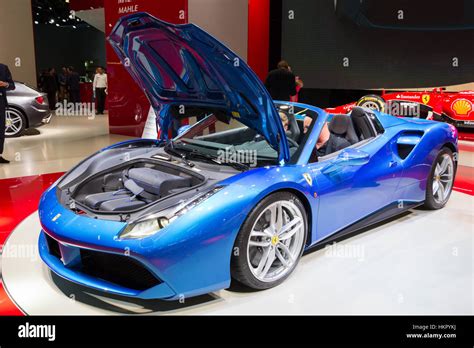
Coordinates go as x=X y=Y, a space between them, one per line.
x=347 y=158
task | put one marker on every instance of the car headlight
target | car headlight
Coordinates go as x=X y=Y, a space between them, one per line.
x=145 y=228
x=152 y=224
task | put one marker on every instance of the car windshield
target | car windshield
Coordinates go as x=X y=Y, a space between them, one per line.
x=220 y=139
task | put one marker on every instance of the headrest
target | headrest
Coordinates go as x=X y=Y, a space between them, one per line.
x=359 y=112
x=339 y=124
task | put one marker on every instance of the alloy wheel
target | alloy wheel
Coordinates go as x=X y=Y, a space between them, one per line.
x=443 y=178
x=13 y=123
x=275 y=241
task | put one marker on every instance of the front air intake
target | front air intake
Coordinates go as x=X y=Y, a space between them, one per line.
x=117 y=269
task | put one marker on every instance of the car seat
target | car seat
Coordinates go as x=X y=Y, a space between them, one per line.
x=341 y=126
x=361 y=121
x=293 y=128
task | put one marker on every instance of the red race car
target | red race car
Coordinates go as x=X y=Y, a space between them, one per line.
x=456 y=108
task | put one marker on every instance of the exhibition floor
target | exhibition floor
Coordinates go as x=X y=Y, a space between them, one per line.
x=56 y=146
x=419 y=263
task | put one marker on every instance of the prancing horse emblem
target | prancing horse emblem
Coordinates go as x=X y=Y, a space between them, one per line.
x=308 y=179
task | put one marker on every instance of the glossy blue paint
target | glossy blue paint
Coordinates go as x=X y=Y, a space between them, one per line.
x=179 y=65
x=191 y=256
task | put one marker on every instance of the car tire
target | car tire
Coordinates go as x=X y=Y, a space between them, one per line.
x=372 y=101
x=18 y=119
x=248 y=265
x=441 y=177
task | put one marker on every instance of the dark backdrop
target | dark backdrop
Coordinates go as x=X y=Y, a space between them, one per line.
x=65 y=46
x=316 y=42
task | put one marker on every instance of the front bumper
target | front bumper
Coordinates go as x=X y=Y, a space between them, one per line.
x=68 y=262
x=185 y=259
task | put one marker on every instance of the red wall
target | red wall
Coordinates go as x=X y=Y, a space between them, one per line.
x=80 y=5
x=259 y=36
x=128 y=106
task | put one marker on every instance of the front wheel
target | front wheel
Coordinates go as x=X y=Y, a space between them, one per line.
x=440 y=181
x=270 y=242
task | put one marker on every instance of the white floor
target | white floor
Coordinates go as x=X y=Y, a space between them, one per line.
x=57 y=146
x=421 y=263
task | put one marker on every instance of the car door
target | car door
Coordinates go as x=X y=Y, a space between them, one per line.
x=353 y=188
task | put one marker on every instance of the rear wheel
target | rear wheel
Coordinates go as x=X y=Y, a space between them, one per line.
x=270 y=242
x=15 y=123
x=373 y=102
x=440 y=181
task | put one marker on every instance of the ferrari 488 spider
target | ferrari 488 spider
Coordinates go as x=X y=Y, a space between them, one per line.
x=238 y=195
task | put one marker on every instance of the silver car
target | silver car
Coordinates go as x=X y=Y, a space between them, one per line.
x=26 y=108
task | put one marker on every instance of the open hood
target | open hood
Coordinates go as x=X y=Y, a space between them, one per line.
x=182 y=65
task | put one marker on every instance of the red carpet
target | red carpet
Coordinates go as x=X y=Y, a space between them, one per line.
x=19 y=199
x=466 y=135
x=7 y=307
x=465 y=180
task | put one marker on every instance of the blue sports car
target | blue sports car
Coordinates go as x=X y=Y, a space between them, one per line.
x=243 y=190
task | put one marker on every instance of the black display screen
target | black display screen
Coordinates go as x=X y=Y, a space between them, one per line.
x=332 y=51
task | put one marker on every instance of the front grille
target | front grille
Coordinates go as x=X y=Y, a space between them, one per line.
x=53 y=247
x=117 y=269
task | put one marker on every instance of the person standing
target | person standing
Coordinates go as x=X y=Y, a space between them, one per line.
x=6 y=84
x=100 y=89
x=51 y=88
x=73 y=82
x=282 y=83
x=63 y=85
x=41 y=80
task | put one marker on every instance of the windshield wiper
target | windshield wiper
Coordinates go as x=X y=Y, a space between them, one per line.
x=171 y=149
x=213 y=159
x=191 y=153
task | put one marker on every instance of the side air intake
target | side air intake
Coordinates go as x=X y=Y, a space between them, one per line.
x=406 y=142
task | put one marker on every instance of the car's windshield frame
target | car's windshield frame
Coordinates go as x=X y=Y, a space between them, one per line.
x=298 y=109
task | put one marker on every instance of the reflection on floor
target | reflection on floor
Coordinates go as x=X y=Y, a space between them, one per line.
x=58 y=146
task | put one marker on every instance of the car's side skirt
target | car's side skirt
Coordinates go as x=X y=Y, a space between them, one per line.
x=391 y=210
